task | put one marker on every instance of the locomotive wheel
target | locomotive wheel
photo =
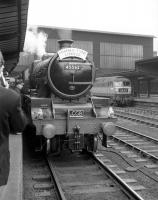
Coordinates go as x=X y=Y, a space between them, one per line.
x=51 y=146
x=55 y=146
x=93 y=143
x=48 y=146
x=29 y=136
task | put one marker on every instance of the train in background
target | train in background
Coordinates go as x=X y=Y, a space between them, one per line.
x=60 y=112
x=117 y=88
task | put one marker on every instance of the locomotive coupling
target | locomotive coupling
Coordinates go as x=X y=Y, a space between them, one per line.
x=48 y=131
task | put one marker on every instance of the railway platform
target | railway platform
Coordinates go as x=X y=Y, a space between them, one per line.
x=14 y=187
x=153 y=99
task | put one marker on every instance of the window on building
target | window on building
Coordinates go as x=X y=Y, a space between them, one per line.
x=119 y=56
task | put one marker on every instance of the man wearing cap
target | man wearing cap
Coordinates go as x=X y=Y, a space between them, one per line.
x=11 y=120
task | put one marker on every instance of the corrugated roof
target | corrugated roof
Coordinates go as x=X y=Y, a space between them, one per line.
x=13 y=22
x=133 y=74
x=96 y=31
x=153 y=60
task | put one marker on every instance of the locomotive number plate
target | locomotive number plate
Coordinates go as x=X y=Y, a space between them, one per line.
x=76 y=113
x=73 y=66
x=123 y=89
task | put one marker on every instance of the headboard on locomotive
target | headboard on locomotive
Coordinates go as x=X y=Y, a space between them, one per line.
x=68 y=74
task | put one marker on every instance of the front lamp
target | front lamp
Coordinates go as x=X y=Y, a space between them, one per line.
x=108 y=128
x=49 y=131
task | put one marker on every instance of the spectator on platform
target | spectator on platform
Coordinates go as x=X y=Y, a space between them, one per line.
x=12 y=119
x=3 y=82
x=26 y=87
x=18 y=87
x=1 y=59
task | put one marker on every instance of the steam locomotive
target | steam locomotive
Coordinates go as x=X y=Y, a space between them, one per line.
x=60 y=112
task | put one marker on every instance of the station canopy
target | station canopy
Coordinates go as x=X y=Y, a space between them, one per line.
x=148 y=67
x=13 y=22
x=144 y=69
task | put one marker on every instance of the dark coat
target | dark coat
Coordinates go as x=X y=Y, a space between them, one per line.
x=11 y=120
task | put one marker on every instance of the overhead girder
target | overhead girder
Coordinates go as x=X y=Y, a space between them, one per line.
x=13 y=22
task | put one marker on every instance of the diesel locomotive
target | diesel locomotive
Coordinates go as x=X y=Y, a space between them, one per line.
x=61 y=113
x=117 y=88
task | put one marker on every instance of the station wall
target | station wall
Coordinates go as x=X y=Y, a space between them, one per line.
x=111 y=52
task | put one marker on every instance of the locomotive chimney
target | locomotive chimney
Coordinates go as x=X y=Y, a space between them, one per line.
x=65 y=43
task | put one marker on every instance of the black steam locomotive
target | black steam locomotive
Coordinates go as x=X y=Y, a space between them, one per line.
x=61 y=113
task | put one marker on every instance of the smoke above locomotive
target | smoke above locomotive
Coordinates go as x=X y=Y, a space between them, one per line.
x=67 y=74
x=35 y=42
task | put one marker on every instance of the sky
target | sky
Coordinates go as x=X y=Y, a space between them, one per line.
x=121 y=16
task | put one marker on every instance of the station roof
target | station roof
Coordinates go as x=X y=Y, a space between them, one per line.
x=144 y=69
x=13 y=22
x=139 y=74
x=148 y=66
x=95 y=31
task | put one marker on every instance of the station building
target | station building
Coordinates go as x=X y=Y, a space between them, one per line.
x=112 y=53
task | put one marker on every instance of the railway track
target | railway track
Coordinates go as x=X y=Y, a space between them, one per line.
x=37 y=181
x=141 y=149
x=141 y=110
x=79 y=176
x=148 y=110
x=89 y=177
x=97 y=176
x=137 y=115
x=146 y=145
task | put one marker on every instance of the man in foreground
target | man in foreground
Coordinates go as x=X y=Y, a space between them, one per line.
x=12 y=119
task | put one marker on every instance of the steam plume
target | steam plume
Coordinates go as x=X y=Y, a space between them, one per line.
x=35 y=42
